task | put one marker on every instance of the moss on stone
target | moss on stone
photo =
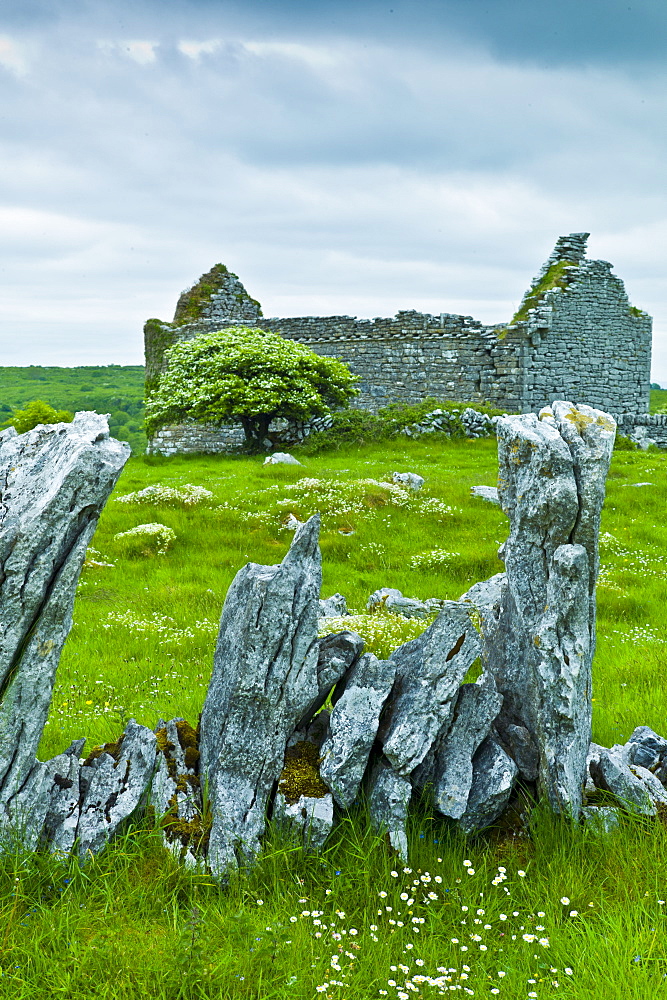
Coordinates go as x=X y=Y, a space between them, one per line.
x=555 y=276
x=113 y=749
x=301 y=773
x=192 y=302
x=158 y=337
x=192 y=834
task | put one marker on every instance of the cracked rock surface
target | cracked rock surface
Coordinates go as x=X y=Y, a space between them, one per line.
x=54 y=482
x=264 y=679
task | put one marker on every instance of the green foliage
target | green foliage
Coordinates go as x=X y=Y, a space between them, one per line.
x=37 y=412
x=358 y=427
x=124 y=927
x=248 y=376
x=658 y=402
x=106 y=389
x=623 y=443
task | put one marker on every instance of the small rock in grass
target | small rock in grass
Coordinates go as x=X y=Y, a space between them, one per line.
x=488 y=493
x=333 y=607
x=409 y=479
x=281 y=458
x=393 y=601
x=601 y=819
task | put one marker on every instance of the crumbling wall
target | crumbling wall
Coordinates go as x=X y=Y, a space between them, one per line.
x=583 y=338
x=575 y=336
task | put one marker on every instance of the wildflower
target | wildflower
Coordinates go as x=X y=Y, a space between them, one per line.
x=293 y=920
x=383 y=894
x=394 y=874
x=574 y=913
x=260 y=902
x=471 y=871
x=544 y=942
x=568 y=971
x=521 y=874
x=564 y=900
x=467 y=864
x=404 y=895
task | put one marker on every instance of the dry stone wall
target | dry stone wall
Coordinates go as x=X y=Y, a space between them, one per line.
x=265 y=746
x=577 y=336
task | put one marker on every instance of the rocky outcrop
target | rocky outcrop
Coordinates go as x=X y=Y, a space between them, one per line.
x=54 y=482
x=296 y=728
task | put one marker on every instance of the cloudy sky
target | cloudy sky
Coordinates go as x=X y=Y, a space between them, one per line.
x=353 y=157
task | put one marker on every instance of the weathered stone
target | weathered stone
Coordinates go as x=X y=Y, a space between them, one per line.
x=311 y=818
x=429 y=670
x=392 y=600
x=113 y=786
x=337 y=654
x=476 y=708
x=264 y=679
x=494 y=774
x=389 y=797
x=176 y=793
x=409 y=479
x=611 y=773
x=647 y=749
x=281 y=458
x=62 y=815
x=333 y=607
x=540 y=635
x=522 y=750
x=601 y=819
x=303 y=802
x=54 y=481
x=353 y=726
x=488 y=493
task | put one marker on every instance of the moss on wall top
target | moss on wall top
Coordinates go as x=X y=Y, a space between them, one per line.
x=192 y=303
x=556 y=276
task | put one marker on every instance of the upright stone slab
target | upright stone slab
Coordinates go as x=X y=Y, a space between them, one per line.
x=428 y=671
x=264 y=679
x=539 y=623
x=54 y=482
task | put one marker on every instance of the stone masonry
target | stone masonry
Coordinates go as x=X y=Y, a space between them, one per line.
x=575 y=336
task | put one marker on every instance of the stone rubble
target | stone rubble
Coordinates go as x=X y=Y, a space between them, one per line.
x=297 y=728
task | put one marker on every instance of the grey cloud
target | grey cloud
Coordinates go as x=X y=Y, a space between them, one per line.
x=335 y=167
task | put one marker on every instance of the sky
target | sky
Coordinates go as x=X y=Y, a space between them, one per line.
x=351 y=157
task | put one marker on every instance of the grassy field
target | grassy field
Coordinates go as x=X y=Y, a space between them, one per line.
x=113 y=389
x=547 y=911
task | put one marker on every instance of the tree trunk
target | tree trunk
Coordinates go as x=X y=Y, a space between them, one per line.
x=256 y=430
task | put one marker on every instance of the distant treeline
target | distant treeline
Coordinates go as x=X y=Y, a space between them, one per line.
x=114 y=389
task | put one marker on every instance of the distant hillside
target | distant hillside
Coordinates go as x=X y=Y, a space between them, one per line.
x=114 y=389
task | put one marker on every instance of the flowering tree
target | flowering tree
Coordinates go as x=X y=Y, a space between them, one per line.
x=246 y=375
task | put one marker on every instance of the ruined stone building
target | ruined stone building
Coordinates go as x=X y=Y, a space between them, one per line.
x=575 y=336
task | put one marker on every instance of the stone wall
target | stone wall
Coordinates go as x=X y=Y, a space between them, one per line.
x=576 y=336
x=645 y=428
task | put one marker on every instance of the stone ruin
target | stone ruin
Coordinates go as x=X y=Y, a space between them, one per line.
x=574 y=336
x=297 y=728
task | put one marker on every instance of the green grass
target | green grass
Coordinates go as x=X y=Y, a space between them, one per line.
x=131 y=923
x=114 y=389
x=658 y=400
